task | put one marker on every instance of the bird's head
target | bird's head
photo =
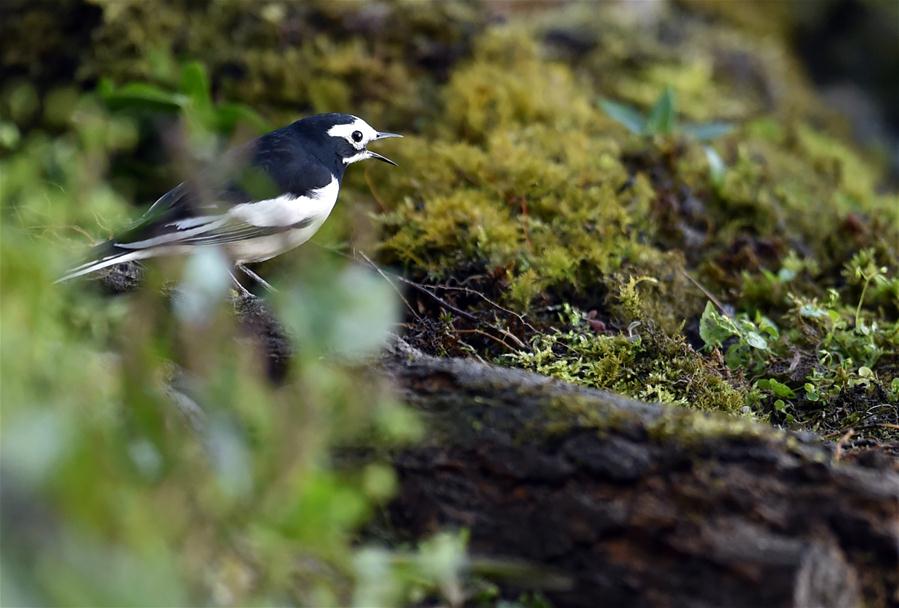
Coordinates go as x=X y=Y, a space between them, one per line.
x=348 y=136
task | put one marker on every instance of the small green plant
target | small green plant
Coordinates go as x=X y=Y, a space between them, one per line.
x=191 y=96
x=642 y=362
x=821 y=347
x=751 y=347
x=662 y=121
x=781 y=395
x=862 y=270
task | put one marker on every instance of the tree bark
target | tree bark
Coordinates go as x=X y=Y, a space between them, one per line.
x=639 y=504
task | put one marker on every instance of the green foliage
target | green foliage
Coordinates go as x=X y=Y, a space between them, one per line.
x=848 y=342
x=146 y=457
x=750 y=349
x=512 y=176
x=646 y=364
x=662 y=119
x=192 y=97
x=520 y=204
x=546 y=194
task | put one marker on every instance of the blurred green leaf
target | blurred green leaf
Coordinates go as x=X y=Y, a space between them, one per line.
x=630 y=117
x=195 y=85
x=707 y=131
x=229 y=115
x=778 y=388
x=140 y=95
x=349 y=316
x=714 y=328
x=204 y=285
x=663 y=116
x=717 y=168
x=756 y=340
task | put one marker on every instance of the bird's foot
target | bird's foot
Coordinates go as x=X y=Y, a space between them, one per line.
x=256 y=278
x=241 y=290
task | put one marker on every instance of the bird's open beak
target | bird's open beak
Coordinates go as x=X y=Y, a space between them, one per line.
x=379 y=157
x=382 y=135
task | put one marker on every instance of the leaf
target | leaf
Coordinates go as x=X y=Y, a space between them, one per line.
x=205 y=282
x=707 y=131
x=627 y=116
x=195 y=84
x=812 y=311
x=766 y=325
x=737 y=356
x=714 y=328
x=778 y=388
x=350 y=316
x=717 y=168
x=662 y=117
x=229 y=115
x=140 y=95
x=785 y=275
x=756 y=340
x=811 y=392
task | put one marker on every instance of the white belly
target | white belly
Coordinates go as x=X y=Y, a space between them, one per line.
x=307 y=212
x=265 y=247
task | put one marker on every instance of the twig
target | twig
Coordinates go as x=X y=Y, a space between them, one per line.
x=838 y=451
x=707 y=293
x=486 y=335
x=398 y=291
x=468 y=316
x=436 y=298
x=427 y=290
x=474 y=292
x=374 y=193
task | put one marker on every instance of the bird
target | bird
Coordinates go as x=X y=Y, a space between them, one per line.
x=265 y=197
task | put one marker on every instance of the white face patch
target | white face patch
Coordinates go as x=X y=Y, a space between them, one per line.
x=357 y=157
x=360 y=128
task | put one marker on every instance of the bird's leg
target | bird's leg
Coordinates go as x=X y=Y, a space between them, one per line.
x=240 y=288
x=256 y=278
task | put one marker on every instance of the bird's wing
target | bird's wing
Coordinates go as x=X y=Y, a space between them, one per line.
x=269 y=186
x=270 y=183
x=209 y=230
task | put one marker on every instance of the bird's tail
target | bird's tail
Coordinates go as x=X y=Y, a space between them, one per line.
x=116 y=256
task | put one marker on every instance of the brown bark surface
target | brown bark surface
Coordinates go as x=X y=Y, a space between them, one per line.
x=637 y=504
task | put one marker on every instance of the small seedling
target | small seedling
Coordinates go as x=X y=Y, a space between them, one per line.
x=662 y=121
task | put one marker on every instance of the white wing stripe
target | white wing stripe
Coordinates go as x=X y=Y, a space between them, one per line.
x=285 y=211
x=173 y=237
x=192 y=222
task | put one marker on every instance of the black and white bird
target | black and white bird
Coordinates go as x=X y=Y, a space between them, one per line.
x=267 y=197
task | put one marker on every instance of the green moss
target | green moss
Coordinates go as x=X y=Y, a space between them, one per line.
x=510 y=170
x=648 y=365
x=496 y=90
x=694 y=428
x=527 y=201
x=561 y=204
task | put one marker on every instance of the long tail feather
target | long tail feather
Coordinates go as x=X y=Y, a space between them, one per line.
x=99 y=264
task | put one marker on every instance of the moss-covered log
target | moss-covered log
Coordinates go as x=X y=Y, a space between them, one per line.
x=641 y=505
x=633 y=504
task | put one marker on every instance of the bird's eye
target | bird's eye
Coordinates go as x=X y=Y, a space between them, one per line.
x=357 y=136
